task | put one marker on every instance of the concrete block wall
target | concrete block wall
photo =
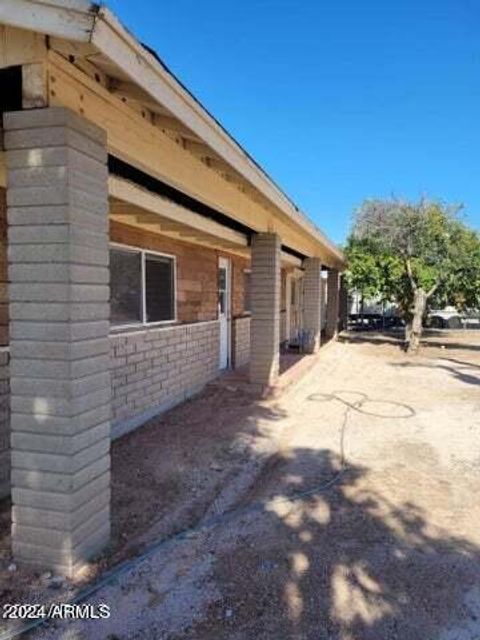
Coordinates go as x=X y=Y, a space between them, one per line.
x=4 y=424
x=241 y=341
x=155 y=368
x=3 y=268
x=4 y=354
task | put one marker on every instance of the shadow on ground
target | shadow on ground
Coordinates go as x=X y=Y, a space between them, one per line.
x=465 y=372
x=432 y=339
x=340 y=564
x=310 y=552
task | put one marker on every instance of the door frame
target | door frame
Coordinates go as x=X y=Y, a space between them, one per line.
x=226 y=263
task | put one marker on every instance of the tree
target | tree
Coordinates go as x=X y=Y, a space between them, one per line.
x=363 y=275
x=415 y=253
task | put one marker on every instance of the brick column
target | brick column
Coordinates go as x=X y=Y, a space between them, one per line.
x=265 y=303
x=57 y=200
x=312 y=304
x=333 y=285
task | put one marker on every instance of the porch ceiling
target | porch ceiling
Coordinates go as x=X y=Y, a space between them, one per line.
x=137 y=207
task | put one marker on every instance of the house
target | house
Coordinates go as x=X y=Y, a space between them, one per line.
x=147 y=252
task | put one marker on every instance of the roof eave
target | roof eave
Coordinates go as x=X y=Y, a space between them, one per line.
x=83 y=21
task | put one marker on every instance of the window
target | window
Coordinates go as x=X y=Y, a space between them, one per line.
x=125 y=289
x=159 y=288
x=142 y=287
x=247 y=284
x=222 y=290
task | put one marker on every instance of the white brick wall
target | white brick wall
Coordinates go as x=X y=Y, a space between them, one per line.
x=241 y=346
x=4 y=425
x=155 y=368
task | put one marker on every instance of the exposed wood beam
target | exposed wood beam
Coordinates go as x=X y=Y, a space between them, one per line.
x=19 y=47
x=34 y=86
x=131 y=92
x=138 y=142
x=198 y=240
x=287 y=258
x=86 y=21
x=128 y=192
x=171 y=124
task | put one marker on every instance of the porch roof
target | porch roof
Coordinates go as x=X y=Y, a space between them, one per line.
x=135 y=73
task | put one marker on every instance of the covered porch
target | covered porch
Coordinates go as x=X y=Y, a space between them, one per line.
x=147 y=253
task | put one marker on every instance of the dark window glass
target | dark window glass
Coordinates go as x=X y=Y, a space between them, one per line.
x=125 y=286
x=159 y=289
x=222 y=289
x=247 y=281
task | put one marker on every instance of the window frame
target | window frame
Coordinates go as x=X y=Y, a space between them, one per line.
x=143 y=293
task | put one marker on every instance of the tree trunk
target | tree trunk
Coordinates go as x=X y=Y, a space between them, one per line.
x=413 y=329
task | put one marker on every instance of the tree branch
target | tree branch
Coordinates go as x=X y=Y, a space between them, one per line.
x=433 y=289
x=408 y=268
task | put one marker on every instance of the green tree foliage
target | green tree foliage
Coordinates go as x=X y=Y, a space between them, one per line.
x=416 y=255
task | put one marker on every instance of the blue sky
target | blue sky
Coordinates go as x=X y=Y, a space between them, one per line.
x=339 y=100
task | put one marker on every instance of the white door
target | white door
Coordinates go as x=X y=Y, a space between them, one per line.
x=224 y=310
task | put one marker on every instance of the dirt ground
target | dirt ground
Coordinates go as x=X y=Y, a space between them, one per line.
x=346 y=509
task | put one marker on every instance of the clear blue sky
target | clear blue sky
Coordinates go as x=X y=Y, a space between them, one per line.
x=339 y=100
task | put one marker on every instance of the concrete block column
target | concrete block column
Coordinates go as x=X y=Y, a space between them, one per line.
x=333 y=287
x=57 y=199
x=312 y=304
x=265 y=304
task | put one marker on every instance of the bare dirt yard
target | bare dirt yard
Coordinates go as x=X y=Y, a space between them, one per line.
x=346 y=509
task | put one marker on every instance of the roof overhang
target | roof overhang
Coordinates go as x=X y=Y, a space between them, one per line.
x=85 y=22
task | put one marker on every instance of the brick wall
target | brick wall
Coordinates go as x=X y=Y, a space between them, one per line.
x=238 y=285
x=241 y=341
x=4 y=425
x=156 y=368
x=197 y=272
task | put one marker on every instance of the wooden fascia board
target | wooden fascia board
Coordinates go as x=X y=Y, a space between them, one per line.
x=70 y=19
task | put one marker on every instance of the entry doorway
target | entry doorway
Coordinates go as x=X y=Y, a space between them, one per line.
x=224 y=315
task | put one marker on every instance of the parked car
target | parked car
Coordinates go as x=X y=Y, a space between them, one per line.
x=447 y=318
